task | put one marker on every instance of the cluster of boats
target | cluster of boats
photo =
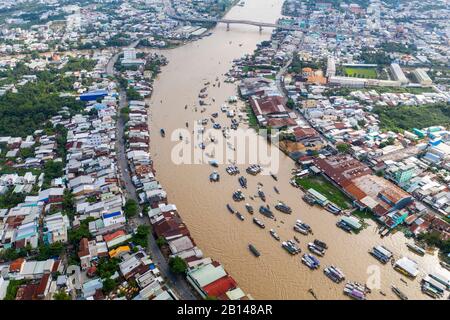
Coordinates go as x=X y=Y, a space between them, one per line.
x=282 y=207
x=356 y=290
x=214 y=177
x=238 y=196
x=310 y=261
x=291 y=247
x=232 y=170
x=341 y=224
x=317 y=247
x=254 y=169
x=302 y=227
x=334 y=273
x=381 y=253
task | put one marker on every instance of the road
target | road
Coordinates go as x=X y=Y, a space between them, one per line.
x=177 y=282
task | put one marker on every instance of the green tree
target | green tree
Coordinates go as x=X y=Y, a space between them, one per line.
x=131 y=208
x=107 y=267
x=109 y=285
x=177 y=265
x=61 y=295
x=141 y=236
x=161 y=241
x=343 y=147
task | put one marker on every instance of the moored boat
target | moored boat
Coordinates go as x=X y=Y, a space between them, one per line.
x=240 y=216
x=321 y=244
x=259 y=223
x=334 y=273
x=415 y=248
x=238 y=196
x=316 y=249
x=398 y=293
x=162 y=132
x=214 y=177
x=355 y=290
x=290 y=247
x=249 y=208
x=230 y=209
x=265 y=211
x=243 y=181
x=261 y=195
x=274 y=235
x=282 y=207
x=254 y=250
x=310 y=261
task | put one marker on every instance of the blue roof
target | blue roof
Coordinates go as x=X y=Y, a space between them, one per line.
x=112 y=214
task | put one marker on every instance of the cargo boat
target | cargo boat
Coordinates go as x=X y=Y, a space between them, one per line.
x=290 y=247
x=238 y=196
x=282 y=207
x=259 y=223
x=274 y=235
x=265 y=211
x=355 y=290
x=310 y=261
x=320 y=244
x=316 y=249
x=243 y=182
x=381 y=254
x=415 y=248
x=334 y=273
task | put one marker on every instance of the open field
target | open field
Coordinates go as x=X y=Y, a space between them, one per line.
x=370 y=73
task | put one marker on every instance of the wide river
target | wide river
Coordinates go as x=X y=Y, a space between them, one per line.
x=201 y=204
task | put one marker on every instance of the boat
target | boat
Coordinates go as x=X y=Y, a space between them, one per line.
x=214 y=177
x=243 y=181
x=274 y=235
x=180 y=137
x=398 y=293
x=254 y=250
x=415 y=248
x=290 y=247
x=302 y=228
x=238 y=196
x=230 y=209
x=232 y=170
x=344 y=226
x=296 y=239
x=355 y=290
x=320 y=244
x=445 y=265
x=334 y=273
x=254 y=169
x=259 y=223
x=240 y=216
x=261 y=195
x=280 y=206
x=274 y=176
x=333 y=209
x=316 y=249
x=163 y=133
x=276 y=190
x=310 y=261
x=214 y=163
x=249 y=208
x=265 y=211
x=381 y=254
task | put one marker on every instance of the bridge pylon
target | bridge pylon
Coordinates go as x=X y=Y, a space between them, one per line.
x=228 y=27
x=260 y=28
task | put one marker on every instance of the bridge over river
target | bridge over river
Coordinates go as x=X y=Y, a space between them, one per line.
x=228 y=22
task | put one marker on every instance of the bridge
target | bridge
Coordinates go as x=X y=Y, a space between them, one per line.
x=228 y=22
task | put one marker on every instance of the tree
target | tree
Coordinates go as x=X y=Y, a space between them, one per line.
x=109 y=285
x=107 y=267
x=290 y=103
x=343 y=147
x=131 y=208
x=61 y=295
x=141 y=236
x=177 y=265
x=161 y=241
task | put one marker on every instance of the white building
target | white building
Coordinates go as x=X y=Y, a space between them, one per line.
x=422 y=77
x=398 y=74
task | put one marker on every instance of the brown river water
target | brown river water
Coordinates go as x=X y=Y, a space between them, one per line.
x=201 y=204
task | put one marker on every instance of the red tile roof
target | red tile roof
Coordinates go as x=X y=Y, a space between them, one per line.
x=114 y=235
x=220 y=286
